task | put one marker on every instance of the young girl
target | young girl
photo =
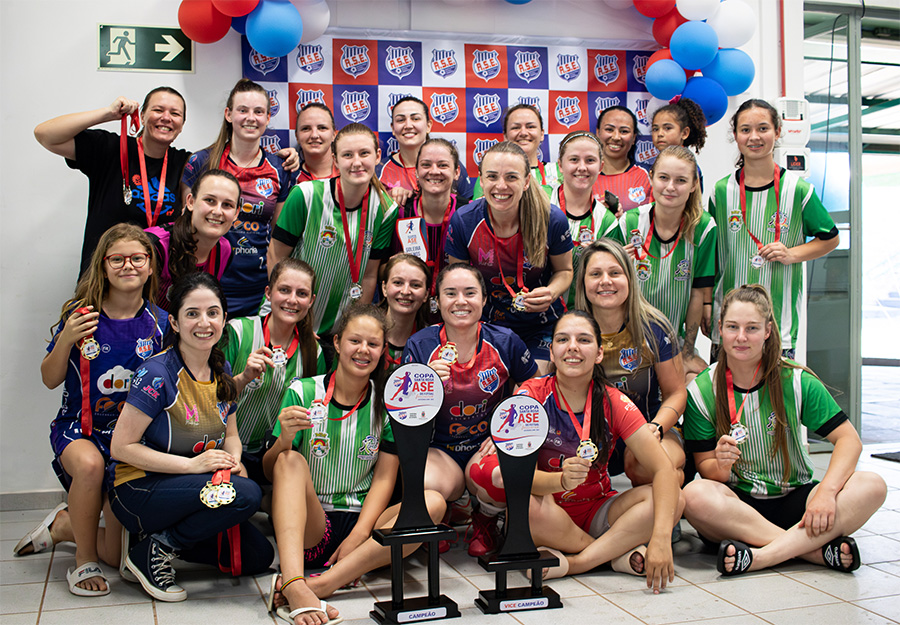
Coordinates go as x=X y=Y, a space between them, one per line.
x=642 y=359
x=478 y=363
x=314 y=133
x=264 y=187
x=679 y=123
x=574 y=508
x=673 y=243
x=267 y=353
x=404 y=289
x=175 y=436
x=341 y=226
x=111 y=308
x=196 y=241
x=520 y=244
x=580 y=160
x=743 y=423
x=622 y=184
x=770 y=213
x=333 y=464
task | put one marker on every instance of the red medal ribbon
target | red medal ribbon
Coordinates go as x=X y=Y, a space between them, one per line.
x=584 y=432
x=433 y=263
x=743 y=192
x=540 y=168
x=153 y=216
x=330 y=391
x=646 y=244
x=442 y=334
x=123 y=142
x=355 y=264
x=334 y=173
x=84 y=369
x=411 y=179
x=234 y=533
x=295 y=339
x=729 y=385
x=520 y=281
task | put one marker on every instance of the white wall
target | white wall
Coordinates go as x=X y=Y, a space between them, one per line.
x=47 y=63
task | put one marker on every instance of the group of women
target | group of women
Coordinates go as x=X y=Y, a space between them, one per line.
x=232 y=347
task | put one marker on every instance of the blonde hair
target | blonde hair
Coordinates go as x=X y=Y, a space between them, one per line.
x=693 y=208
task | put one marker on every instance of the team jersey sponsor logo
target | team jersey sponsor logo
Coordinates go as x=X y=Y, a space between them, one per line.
x=191 y=415
x=467 y=411
x=489 y=380
x=645 y=151
x=443 y=62
x=265 y=187
x=327 y=236
x=734 y=221
x=201 y=446
x=262 y=63
x=531 y=100
x=642 y=268
x=637 y=195
x=568 y=66
x=274 y=105
x=776 y=220
x=482 y=146
x=270 y=143
x=307 y=96
x=444 y=108
x=567 y=111
x=144 y=348
x=528 y=65
x=393 y=98
x=115 y=380
x=355 y=60
x=369 y=448
x=683 y=270
x=399 y=61
x=107 y=406
x=157 y=383
x=640 y=111
x=355 y=105
x=485 y=257
x=629 y=359
x=639 y=68
x=606 y=68
x=310 y=58
x=150 y=391
x=486 y=64
x=486 y=108
x=319 y=444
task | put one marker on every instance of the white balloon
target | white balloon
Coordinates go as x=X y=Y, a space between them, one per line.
x=300 y=4
x=619 y=4
x=697 y=9
x=316 y=17
x=734 y=23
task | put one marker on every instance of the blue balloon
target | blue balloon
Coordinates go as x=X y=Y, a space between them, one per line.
x=665 y=79
x=274 y=27
x=733 y=69
x=239 y=24
x=709 y=95
x=694 y=45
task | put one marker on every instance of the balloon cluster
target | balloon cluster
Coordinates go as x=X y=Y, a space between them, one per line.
x=273 y=27
x=699 y=35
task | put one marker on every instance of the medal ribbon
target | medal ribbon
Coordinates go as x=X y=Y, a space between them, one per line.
x=223 y=476
x=153 y=216
x=540 y=168
x=355 y=264
x=646 y=244
x=743 y=192
x=729 y=385
x=123 y=143
x=330 y=391
x=443 y=338
x=84 y=369
x=433 y=263
x=562 y=205
x=584 y=432
x=520 y=281
x=295 y=339
x=411 y=179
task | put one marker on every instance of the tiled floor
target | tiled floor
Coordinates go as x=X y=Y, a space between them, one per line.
x=33 y=589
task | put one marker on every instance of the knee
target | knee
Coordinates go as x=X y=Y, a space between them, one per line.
x=699 y=499
x=872 y=486
x=88 y=466
x=436 y=505
x=249 y=494
x=290 y=463
x=536 y=510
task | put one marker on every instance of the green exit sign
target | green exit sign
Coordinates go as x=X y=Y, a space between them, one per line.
x=144 y=48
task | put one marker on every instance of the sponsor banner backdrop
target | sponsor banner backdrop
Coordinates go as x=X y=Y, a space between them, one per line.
x=466 y=86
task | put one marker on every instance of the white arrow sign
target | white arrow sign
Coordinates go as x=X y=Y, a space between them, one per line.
x=172 y=47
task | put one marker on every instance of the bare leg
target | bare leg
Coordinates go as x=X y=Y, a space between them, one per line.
x=552 y=527
x=639 y=475
x=443 y=475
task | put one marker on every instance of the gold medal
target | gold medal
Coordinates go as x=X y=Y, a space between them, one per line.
x=519 y=301
x=90 y=348
x=355 y=291
x=587 y=450
x=448 y=353
x=225 y=493
x=209 y=496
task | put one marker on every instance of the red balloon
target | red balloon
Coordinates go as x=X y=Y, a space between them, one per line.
x=664 y=26
x=654 y=8
x=235 y=8
x=665 y=53
x=201 y=21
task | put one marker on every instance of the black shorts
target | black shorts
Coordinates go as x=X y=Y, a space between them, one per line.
x=785 y=512
x=338 y=525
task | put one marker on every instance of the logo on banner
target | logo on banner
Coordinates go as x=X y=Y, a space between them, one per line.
x=640 y=111
x=308 y=96
x=567 y=111
x=531 y=100
x=262 y=63
x=645 y=151
x=568 y=67
x=310 y=58
x=393 y=98
x=355 y=60
x=482 y=146
x=639 y=69
x=486 y=64
x=274 y=106
x=270 y=143
x=400 y=61
x=606 y=69
x=603 y=103
x=443 y=62
x=392 y=145
x=355 y=105
x=487 y=108
x=528 y=65
x=444 y=108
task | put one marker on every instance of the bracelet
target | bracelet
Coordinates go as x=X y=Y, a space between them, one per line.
x=658 y=427
x=289 y=582
x=707 y=303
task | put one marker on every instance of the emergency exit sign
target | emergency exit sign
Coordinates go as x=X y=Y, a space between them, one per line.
x=144 y=48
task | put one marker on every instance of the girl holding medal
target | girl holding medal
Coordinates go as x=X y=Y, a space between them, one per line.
x=333 y=464
x=574 y=508
x=314 y=133
x=743 y=423
x=341 y=226
x=642 y=359
x=178 y=479
x=112 y=306
x=521 y=245
x=404 y=290
x=267 y=353
x=580 y=160
x=196 y=241
x=622 y=184
x=766 y=214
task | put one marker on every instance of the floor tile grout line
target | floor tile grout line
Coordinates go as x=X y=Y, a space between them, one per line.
x=871 y=610
x=46 y=582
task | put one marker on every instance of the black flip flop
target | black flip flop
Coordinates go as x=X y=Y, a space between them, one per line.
x=831 y=552
x=743 y=558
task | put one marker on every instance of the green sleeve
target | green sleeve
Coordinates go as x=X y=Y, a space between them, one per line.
x=609 y=226
x=698 y=424
x=320 y=361
x=706 y=248
x=618 y=233
x=816 y=219
x=291 y=398
x=294 y=213
x=387 y=434
x=384 y=224
x=477 y=192
x=817 y=406
x=230 y=344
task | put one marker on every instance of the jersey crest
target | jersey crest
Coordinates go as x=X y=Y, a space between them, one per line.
x=629 y=358
x=683 y=270
x=355 y=105
x=488 y=380
x=319 y=444
x=270 y=143
x=642 y=269
x=262 y=63
x=639 y=68
x=144 y=348
x=486 y=64
x=606 y=68
x=602 y=103
x=399 y=61
x=568 y=66
x=274 y=105
x=645 y=151
x=567 y=111
x=776 y=220
x=528 y=65
x=637 y=195
x=355 y=60
x=327 y=236
x=369 y=448
x=444 y=108
x=310 y=58
x=265 y=187
x=482 y=146
x=443 y=62
x=487 y=108
x=734 y=221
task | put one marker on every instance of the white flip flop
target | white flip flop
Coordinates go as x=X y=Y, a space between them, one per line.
x=39 y=538
x=288 y=615
x=270 y=598
x=86 y=571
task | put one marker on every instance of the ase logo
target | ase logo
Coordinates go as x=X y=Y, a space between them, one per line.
x=355 y=105
x=310 y=58
x=486 y=64
x=262 y=63
x=482 y=146
x=274 y=106
x=308 y=96
x=568 y=66
x=567 y=111
x=399 y=61
x=606 y=68
x=602 y=103
x=355 y=60
x=444 y=108
x=639 y=68
x=528 y=65
x=443 y=62
x=487 y=108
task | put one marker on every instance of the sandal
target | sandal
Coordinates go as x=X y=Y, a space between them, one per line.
x=743 y=558
x=831 y=553
x=273 y=588
x=553 y=572
x=39 y=538
x=289 y=615
x=86 y=571
x=622 y=564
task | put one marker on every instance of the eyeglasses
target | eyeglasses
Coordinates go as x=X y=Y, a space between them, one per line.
x=117 y=261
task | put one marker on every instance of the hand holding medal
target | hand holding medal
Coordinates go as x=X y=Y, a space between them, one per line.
x=293 y=419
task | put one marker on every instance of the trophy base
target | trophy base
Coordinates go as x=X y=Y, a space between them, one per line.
x=413 y=610
x=503 y=599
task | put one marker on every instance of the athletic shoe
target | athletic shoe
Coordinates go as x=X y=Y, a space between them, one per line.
x=151 y=562
x=460 y=512
x=482 y=535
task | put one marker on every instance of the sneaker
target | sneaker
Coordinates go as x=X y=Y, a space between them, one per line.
x=482 y=535
x=151 y=563
x=460 y=512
